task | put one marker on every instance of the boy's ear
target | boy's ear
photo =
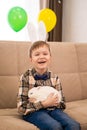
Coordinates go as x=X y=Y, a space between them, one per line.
x=30 y=59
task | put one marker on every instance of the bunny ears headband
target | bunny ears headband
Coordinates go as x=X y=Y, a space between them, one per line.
x=37 y=34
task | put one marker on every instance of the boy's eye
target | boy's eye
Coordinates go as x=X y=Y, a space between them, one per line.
x=37 y=54
x=45 y=54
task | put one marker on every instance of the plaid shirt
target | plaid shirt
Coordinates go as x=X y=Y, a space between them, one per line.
x=27 y=81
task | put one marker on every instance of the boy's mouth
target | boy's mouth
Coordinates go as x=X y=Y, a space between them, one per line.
x=41 y=62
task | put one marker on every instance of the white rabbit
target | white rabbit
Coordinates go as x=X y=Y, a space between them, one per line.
x=40 y=93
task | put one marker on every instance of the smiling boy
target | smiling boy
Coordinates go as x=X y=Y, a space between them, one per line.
x=47 y=114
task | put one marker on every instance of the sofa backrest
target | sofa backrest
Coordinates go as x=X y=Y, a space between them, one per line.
x=69 y=61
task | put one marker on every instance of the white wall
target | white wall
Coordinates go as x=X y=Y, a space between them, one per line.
x=74 y=21
x=6 y=32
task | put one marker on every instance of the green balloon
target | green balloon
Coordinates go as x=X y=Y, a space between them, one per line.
x=17 y=18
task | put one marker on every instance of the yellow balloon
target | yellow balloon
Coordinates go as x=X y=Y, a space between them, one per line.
x=49 y=18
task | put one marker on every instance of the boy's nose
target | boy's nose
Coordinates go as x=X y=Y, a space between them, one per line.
x=41 y=56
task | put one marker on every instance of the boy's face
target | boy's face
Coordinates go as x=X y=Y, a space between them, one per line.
x=40 y=59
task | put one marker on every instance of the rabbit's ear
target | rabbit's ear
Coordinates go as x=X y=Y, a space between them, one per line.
x=32 y=31
x=42 y=34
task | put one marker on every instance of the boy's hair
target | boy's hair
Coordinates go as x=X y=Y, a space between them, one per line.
x=38 y=44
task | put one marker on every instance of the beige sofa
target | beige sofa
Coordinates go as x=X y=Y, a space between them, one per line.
x=69 y=61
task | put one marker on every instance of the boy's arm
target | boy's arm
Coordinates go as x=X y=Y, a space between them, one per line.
x=58 y=86
x=23 y=104
x=22 y=98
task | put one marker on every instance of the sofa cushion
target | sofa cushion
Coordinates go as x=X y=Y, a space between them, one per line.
x=64 y=58
x=9 y=112
x=77 y=110
x=23 y=57
x=83 y=78
x=8 y=91
x=8 y=58
x=81 y=50
x=71 y=86
x=15 y=123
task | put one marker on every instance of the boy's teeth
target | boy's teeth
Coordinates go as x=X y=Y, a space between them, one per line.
x=41 y=62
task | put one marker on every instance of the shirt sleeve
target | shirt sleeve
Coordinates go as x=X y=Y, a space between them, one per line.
x=22 y=97
x=58 y=86
x=23 y=104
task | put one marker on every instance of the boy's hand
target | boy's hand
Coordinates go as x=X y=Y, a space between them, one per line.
x=52 y=100
x=32 y=100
